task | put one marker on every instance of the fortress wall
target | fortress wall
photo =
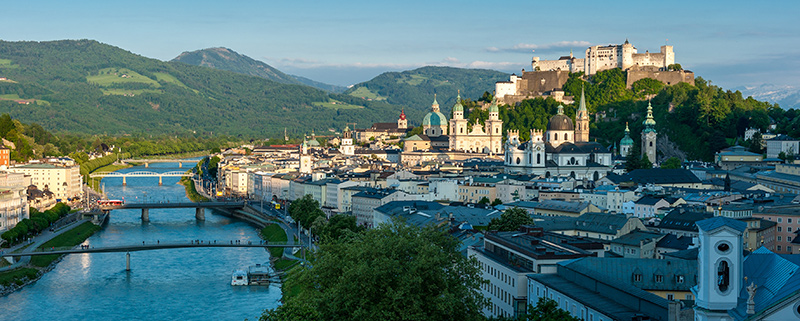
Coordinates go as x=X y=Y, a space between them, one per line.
x=667 y=77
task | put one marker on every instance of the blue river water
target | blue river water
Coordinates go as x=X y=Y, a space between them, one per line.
x=177 y=284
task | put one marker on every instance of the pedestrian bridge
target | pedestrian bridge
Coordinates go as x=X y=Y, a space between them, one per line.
x=147 y=162
x=141 y=174
x=145 y=246
x=198 y=206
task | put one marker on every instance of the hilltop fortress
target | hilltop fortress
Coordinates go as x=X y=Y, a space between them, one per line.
x=548 y=76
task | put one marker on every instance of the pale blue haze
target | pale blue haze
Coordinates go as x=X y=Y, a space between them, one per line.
x=733 y=43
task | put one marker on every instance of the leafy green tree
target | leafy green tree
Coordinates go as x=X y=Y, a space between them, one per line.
x=339 y=226
x=645 y=163
x=496 y=202
x=392 y=272
x=305 y=210
x=415 y=131
x=484 y=200
x=671 y=163
x=674 y=67
x=633 y=160
x=510 y=220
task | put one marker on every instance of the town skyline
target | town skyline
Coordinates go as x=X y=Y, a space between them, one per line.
x=352 y=42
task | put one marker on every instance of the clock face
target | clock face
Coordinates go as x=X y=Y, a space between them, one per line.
x=538 y=148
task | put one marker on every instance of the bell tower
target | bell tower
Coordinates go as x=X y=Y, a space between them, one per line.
x=720 y=274
x=649 y=135
x=582 y=121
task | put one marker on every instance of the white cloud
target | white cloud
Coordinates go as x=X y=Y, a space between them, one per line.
x=528 y=47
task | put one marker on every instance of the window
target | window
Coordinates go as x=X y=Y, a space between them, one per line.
x=659 y=278
x=637 y=277
x=689 y=297
x=789 y=220
x=788 y=229
x=670 y=297
x=779 y=238
x=723 y=276
x=679 y=278
x=780 y=220
x=780 y=229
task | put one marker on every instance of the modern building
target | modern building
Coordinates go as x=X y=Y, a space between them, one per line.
x=782 y=144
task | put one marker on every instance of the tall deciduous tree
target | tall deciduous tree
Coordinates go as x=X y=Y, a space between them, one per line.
x=510 y=220
x=305 y=210
x=392 y=272
x=672 y=163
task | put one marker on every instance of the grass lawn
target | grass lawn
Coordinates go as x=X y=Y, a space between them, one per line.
x=7 y=63
x=191 y=192
x=273 y=233
x=16 y=275
x=108 y=76
x=336 y=105
x=122 y=92
x=283 y=264
x=72 y=237
x=10 y=96
x=366 y=93
x=165 y=77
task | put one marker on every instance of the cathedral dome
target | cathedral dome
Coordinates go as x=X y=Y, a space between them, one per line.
x=434 y=118
x=560 y=121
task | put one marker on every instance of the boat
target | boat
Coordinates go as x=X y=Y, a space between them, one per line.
x=260 y=274
x=239 y=277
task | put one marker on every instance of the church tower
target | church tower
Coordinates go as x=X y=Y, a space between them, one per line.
x=347 y=142
x=720 y=274
x=649 y=135
x=305 y=158
x=402 y=123
x=494 y=128
x=626 y=143
x=582 y=121
x=458 y=126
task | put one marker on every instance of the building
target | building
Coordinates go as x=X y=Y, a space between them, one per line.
x=599 y=58
x=5 y=157
x=347 y=147
x=787 y=219
x=14 y=205
x=505 y=258
x=637 y=244
x=626 y=143
x=383 y=130
x=735 y=156
x=479 y=138
x=782 y=144
x=62 y=179
x=561 y=150
x=784 y=179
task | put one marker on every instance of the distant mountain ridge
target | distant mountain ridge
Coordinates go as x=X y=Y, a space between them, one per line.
x=415 y=89
x=227 y=59
x=785 y=96
x=83 y=86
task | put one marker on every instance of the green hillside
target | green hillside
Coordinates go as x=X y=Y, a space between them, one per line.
x=227 y=59
x=83 y=86
x=414 y=89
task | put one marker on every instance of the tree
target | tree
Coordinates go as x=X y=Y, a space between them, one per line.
x=674 y=67
x=510 y=220
x=496 y=202
x=392 y=272
x=545 y=310
x=305 y=210
x=415 y=131
x=338 y=227
x=671 y=163
x=633 y=160
x=645 y=162
x=484 y=200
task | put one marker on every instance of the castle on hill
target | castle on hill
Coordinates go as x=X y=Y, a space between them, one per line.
x=548 y=76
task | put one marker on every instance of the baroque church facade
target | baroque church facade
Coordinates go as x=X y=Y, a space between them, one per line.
x=457 y=135
x=562 y=150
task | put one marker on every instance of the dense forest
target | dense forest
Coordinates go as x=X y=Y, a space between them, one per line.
x=699 y=119
x=83 y=86
x=415 y=89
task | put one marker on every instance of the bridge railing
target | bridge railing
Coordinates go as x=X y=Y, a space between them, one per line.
x=198 y=243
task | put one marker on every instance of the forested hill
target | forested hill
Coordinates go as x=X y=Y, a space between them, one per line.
x=226 y=59
x=89 y=87
x=415 y=88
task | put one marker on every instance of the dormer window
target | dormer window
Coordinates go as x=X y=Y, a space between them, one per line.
x=637 y=277
x=679 y=279
x=659 y=278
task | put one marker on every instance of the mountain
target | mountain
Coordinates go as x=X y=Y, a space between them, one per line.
x=83 y=86
x=785 y=96
x=414 y=89
x=227 y=59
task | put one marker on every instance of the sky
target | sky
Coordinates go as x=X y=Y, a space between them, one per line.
x=731 y=43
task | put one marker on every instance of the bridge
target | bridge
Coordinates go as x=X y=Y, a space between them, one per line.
x=141 y=174
x=148 y=247
x=147 y=162
x=199 y=206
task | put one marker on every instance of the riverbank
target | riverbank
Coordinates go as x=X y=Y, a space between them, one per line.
x=191 y=190
x=18 y=278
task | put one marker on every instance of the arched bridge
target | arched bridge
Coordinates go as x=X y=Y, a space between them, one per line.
x=147 y=162
x=141 y=174
x=199 y=206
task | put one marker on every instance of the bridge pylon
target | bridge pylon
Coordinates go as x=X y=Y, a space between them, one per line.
x=127 y=261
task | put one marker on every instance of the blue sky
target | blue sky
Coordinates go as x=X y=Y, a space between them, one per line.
x=733 y=43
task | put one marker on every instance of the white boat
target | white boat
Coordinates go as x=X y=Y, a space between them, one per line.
x=239 y=277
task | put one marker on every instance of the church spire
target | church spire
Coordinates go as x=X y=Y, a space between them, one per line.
x=649 y=123
x=582 y=107
x=435 y=105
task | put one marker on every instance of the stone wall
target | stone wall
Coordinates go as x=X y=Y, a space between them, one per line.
x=667 y=77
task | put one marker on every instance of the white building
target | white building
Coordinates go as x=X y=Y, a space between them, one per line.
x=63 y=180
x=13 y=200
x=782 y=144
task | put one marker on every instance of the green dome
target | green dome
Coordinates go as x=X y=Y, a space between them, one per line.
x=458 y=106
x=627 y=140
x=493 y=108
x=434 y=119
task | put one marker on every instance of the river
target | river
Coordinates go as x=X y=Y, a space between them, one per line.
x=178 y=284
